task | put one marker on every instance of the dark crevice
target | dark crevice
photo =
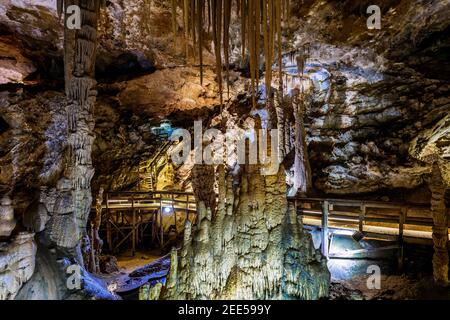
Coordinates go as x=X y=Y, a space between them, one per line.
x=4 y=126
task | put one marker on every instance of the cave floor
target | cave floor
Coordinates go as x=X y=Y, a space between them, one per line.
x=128 y=263
x=349 y=277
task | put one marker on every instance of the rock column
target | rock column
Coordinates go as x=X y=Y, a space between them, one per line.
x=440 y=227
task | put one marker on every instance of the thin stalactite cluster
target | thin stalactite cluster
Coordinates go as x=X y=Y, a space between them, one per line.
x=258 y=18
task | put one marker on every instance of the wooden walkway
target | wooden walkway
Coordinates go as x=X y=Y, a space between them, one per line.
x=401 y=222
x=136 y=215
x=148 y=170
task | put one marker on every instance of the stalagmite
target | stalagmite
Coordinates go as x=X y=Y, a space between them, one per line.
x=202 y=177
x=248 y=245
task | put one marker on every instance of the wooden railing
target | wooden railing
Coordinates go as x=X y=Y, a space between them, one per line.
x=148 y=170
x=387 y=220
x=130 y=214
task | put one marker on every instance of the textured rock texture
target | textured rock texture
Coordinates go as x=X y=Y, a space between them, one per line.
x=372 y=98
x=377 y=110
x=376 y=90
x=249 y=247
x=14 y=67
x=72 y=198
x=7 y=221
x=17 y=261
x=440 y=227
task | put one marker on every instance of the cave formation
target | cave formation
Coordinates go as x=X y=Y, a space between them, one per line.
x=94 y=204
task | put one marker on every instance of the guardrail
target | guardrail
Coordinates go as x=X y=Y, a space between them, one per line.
x=129 y=214
x=387 y=220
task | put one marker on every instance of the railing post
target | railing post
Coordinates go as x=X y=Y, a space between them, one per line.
x=161 y=227
x=401 y=223
x=174 y=214
x=108 y=225
x=362 y=216
x=325 y=207
x=133 y=241
x=187 y=207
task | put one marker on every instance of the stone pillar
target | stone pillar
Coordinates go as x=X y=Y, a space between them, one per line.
x=73 y=197
x=440 y=227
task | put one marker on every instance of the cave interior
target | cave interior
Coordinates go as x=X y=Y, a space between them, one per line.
x=219 y=149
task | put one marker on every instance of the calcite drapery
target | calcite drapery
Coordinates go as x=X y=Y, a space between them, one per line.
x=440 y=226
x=70 y=212
x=302 y=170
x=252 y=248
x=431 y=147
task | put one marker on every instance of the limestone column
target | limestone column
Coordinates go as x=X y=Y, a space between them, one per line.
x=440 y=226
x=73 y=200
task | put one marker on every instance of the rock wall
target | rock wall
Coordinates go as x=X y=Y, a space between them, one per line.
x=17 y=262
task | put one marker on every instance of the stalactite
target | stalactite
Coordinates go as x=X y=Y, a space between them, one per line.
x=186 y=26
x=252 y=47
x=174 y=19
x=257 y=36
x=254 y=14
x=244 y=14
x=217 y=37
x=192 y=24
x=209 y=16
x=279 y=46
x=268 y=81
x=199 y=18
x=226 y=41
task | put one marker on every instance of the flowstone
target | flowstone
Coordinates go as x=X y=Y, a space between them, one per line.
x=251 y=247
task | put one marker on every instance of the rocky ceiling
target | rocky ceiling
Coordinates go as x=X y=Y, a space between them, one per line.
x=379 y=111
x=380 y=90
